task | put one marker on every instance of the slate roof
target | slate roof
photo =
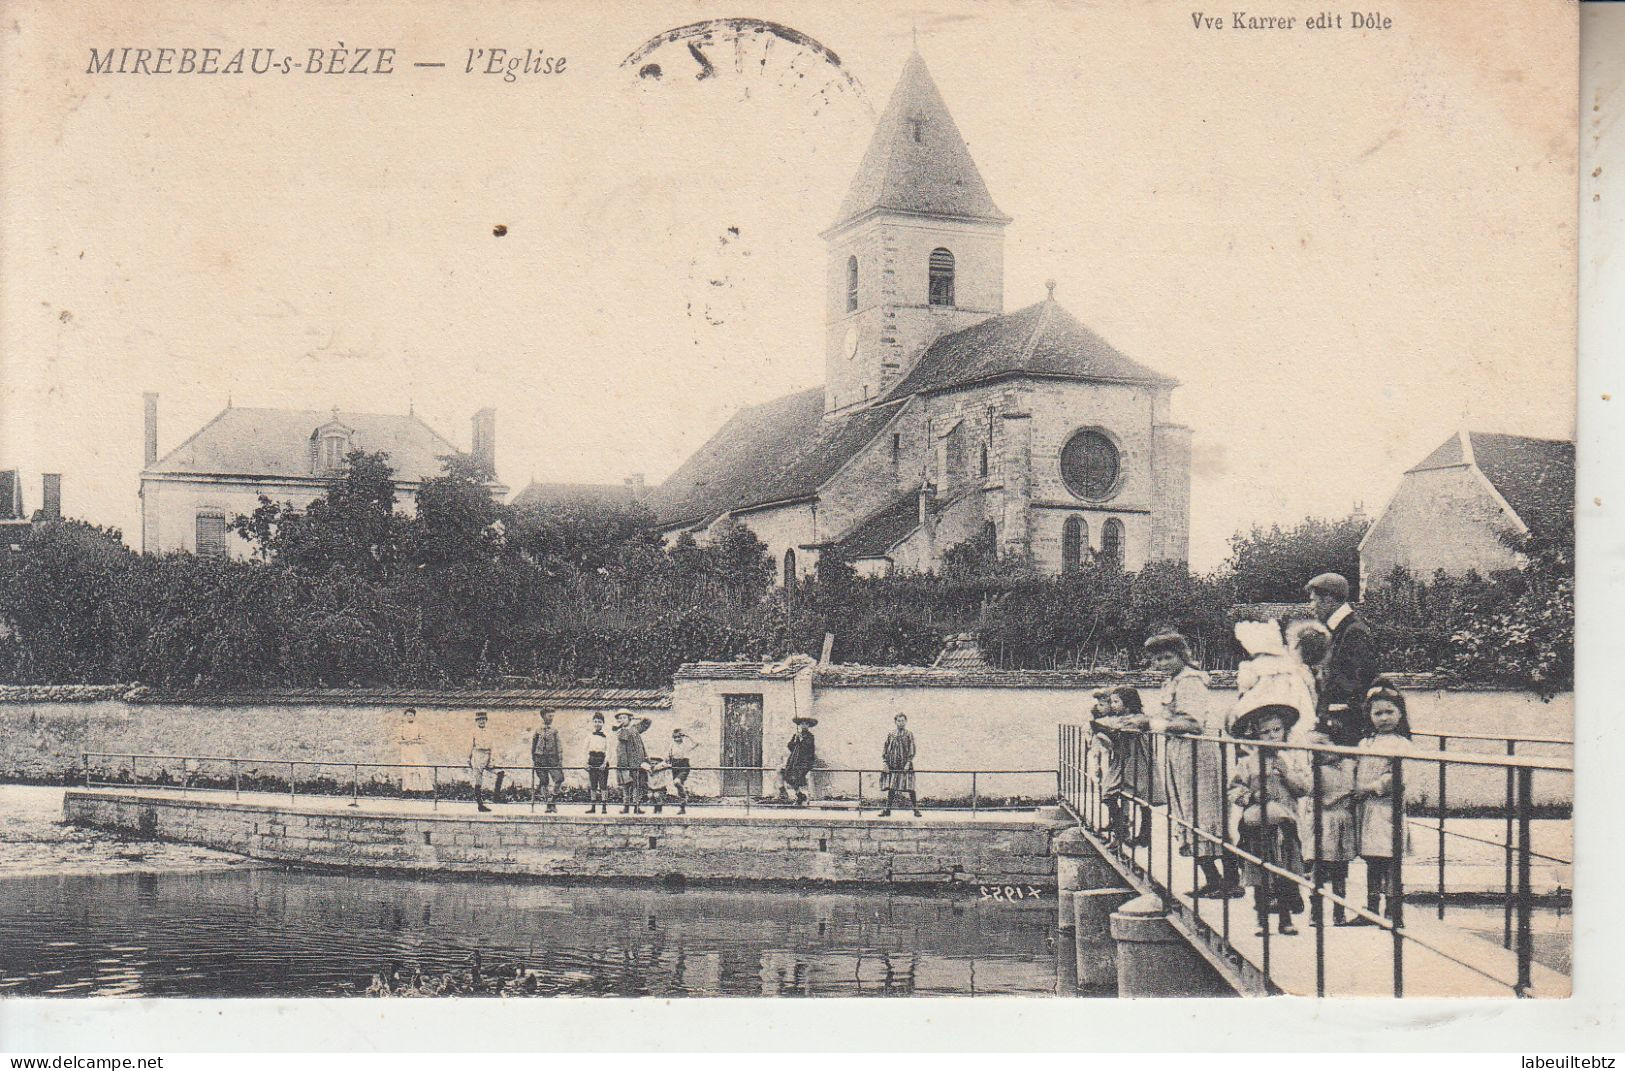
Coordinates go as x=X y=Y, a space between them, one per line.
x=1535 y=476
x=276 y=442
x=933 y=174
x=778 y=451
x=574 y=495
x=1042 y=339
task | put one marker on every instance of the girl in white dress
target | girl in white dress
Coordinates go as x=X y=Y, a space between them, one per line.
x=1390 y=735
x=414 y=755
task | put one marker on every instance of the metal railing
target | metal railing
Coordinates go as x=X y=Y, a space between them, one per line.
x=1150 y=774
x=446 y=782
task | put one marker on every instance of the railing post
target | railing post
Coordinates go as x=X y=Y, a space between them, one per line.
x=860 y=791
x=1318 y=873
x=1224 y=818
x=1266 y=889
x=355 y=784
x=434 y=786
x=1168 y=825
x=1442 y=767
x=1526 y=937
x=290 y=783
x=974 y=799
x=237 y=778
x=1506 y=876
x=84 y=764
x=1396 y=867
x=1192 y=839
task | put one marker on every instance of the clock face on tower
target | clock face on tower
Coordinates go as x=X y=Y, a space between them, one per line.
x=850 y=346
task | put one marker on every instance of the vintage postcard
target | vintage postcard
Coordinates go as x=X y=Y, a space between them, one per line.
x=798 y=499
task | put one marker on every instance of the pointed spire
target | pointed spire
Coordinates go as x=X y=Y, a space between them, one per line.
x=917 y=162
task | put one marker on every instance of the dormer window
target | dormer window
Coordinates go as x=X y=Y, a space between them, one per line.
x=942 y=277
x=328 y=446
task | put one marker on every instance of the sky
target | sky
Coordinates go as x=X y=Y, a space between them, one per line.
x=1344 y=244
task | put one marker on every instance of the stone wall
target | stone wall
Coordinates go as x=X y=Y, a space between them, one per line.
x=985 y=720
x=784 y=848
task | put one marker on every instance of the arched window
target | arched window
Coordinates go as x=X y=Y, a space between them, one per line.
x=990 y=537
x=790 y=571
x=984 y=461
x=211 y=534
x=851 y=284
x=1111 y=541
x=1074 y=542
x=942 y=277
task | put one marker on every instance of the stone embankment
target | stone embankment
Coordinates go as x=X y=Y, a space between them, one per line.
x=711 y=845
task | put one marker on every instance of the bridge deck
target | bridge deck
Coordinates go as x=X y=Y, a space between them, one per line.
x=1359 y=960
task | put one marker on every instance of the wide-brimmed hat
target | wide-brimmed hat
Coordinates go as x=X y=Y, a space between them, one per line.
x=804 y=720
x=1246 y=726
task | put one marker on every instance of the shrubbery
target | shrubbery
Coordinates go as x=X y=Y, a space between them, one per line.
x=467 y=591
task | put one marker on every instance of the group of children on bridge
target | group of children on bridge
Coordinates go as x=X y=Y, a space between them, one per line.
x=1312 y=683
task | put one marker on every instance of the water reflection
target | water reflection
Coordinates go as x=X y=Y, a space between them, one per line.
x=278 y=933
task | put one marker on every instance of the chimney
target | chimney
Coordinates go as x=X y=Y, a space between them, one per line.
x=150 y=452
x=51 y=496
x=485 y=439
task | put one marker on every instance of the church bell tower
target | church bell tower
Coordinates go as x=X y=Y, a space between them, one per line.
x=917 y=249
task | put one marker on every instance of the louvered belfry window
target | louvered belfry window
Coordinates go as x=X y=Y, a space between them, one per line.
x=211 y=535
x=851 y=284
x=942 y=277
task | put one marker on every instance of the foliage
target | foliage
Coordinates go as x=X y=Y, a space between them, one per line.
x=350 y=591
x=1274 y=565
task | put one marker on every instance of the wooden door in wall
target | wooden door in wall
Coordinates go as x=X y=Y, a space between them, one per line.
x=742 y=744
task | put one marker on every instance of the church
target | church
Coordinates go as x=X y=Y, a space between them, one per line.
x=943 y=418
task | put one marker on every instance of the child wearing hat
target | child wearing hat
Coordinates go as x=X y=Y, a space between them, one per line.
x=547 y=759
x=802 y=754
x=1264 y=790
x=479 y=761
x=1193 y=768
x=631 y=760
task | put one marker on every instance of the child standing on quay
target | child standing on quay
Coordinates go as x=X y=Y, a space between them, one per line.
x=1390 y=735
x=1192 y=768
x=598 y=765
x=1330 y=859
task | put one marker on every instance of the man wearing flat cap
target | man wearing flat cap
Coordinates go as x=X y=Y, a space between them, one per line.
x=1349 y=668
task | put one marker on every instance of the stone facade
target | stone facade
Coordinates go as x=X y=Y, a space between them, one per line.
x=1441 y=519
x=696 y=848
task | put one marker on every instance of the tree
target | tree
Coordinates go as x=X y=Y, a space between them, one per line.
x=352 y=527
x=580 y=535
x=1274 y=565
x=457 y=520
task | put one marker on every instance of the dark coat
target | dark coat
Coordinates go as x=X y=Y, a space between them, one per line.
x=1350 y=668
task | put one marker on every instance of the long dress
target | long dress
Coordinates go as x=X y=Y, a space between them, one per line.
x=899 y=758
x=1337 y=832
x=1188 y=708
x=802 y=755
x=1373 y=782
x=414 y=758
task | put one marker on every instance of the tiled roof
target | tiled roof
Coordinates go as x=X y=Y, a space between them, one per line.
x=580 y=698
x=1042 y=339
x=916 y=161
x=844 y=676
x=880 y=531
x=1535 y=476
x=574 y=495
x=774 y=452
x=276 y=442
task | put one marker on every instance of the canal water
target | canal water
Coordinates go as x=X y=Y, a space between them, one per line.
x=277 y=933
